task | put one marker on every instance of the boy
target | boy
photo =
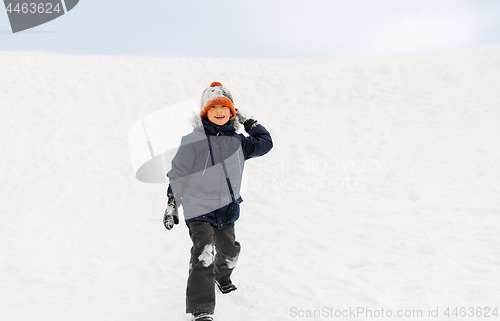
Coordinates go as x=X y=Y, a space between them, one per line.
x=206 y=179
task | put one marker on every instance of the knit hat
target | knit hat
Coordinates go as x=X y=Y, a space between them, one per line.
x=214 y=95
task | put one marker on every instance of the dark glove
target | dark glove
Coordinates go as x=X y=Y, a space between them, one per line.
x=248 y=123
x=171 y=215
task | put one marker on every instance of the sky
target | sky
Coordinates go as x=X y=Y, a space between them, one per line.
x=262 y=28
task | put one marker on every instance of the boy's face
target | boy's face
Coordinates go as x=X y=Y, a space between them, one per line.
x=219 y=114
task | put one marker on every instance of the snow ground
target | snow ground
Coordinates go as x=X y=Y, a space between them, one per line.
x=382 y=190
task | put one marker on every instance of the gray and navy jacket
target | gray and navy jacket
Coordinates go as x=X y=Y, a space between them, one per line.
x=209 y=160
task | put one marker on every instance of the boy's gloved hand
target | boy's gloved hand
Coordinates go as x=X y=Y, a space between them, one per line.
x=171 y=215
x=248 y=123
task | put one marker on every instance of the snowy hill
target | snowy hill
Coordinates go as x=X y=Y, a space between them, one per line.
x=382 y=190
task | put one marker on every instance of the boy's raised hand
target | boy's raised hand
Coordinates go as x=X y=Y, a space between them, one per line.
x=248 y=123
x=171 y=215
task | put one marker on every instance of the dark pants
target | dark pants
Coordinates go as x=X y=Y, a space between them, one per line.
x=205 y=267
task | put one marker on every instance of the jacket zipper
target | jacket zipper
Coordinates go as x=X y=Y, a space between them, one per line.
x=218 y=146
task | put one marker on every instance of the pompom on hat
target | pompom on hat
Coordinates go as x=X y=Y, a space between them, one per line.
x=214 y=95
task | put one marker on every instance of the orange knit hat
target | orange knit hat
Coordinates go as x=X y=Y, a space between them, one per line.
x=214 y=95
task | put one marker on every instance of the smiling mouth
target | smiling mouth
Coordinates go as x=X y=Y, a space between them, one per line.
x=219 y=117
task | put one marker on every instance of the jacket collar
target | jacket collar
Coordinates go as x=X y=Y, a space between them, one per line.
x=215 y=130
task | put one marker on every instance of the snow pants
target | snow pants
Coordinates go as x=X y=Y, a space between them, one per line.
x=206 y=266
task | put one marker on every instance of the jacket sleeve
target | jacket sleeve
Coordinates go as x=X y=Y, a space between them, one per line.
x=258 y=143
x=182 y=165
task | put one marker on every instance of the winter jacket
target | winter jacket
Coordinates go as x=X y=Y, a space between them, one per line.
x=208 y=159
